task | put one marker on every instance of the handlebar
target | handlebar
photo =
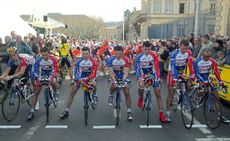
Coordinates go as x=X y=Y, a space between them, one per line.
x=45 y=81
x=120 y=84
x=149 y=80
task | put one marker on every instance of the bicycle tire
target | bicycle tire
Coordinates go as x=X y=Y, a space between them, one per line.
x=118 y=108
x=47 y=91
x=208 y=99
x=5 y=107
x=86 y=107
x=186 y=106
x=148 y=108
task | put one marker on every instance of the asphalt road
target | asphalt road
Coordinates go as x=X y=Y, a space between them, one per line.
x=74 y=129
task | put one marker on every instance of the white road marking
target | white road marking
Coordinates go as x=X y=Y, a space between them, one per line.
x=10 y=126
x=212 y=139
x=56 y=126
x=28 y=135
x=199 y=126
x=104 y=127
x=196 y=122
x=150 y=126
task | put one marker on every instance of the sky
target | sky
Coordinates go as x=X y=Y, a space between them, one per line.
x=109 y=10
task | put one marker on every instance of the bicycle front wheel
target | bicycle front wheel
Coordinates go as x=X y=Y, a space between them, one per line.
x=29 y=96
x=148 y=108
x=186 y=111
x=212 y=111
x=47 y=91
x=86 y=107
x=10 y=106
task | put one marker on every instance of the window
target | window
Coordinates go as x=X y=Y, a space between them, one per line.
x=156 y=7
x=211 y=28
x=182 y=8
x=213 y=9
x=169 y=6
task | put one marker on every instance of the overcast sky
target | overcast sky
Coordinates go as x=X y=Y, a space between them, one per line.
x=109 y=10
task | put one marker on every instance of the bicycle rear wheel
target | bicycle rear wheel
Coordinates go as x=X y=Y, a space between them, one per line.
x=10 y=105
x=212 y=111
x=186 y=111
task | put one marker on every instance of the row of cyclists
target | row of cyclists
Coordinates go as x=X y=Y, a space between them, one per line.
x=85 y=69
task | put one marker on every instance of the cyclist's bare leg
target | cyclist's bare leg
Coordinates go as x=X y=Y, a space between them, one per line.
x=141 y=91
x=112 y=89
x=128 y=97
x=157 y=92
x=54 y=85
x=35 y=97
x=71 y=73
x=73 y=91
x=169 y=98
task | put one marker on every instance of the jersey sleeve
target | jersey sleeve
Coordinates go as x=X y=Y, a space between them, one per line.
x=190 y=66
x=55 y=62
x=37 y=66
x=172 y=63
x=127 y=62
x=76 y=69
x=23 y=62
x=215 y=69
x=138 y=66
x=156 y=64
x=10 y=64
x=109 y=62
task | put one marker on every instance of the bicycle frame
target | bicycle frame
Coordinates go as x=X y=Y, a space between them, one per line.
x=17 y=86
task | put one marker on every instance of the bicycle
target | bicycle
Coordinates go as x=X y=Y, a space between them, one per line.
x=89 y=98
x=147 y=104
x=20 y=92
x=119 y=86
x=48 y=96
x=211 y=102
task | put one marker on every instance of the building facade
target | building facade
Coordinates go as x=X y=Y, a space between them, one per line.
x=164 y=19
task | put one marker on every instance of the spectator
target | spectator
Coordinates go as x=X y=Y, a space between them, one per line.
x=3 y=56
x=34 y=45
x=228 y=53
x=218 y=46
x=162 y=55
x=7 y=41
x=206 y=43
x=13 y=39
x=221 y=58
x=22 y=46
x=197 y=47
x=0 y=41
x=26 y=40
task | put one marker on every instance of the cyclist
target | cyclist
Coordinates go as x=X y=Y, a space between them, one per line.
x=103 y=54
x=84 y=73
x=45 y=65
x=18 y=66
x=65 y=54
x=147 y=64
x=203 y=66
x=119 y=67
x=179 y=59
